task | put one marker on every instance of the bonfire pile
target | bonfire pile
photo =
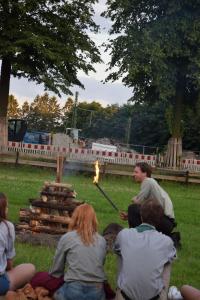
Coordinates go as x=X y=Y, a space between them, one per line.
x=51 y=212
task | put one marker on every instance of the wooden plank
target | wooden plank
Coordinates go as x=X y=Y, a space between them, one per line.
x=193 y=180
x=56 y=184
x=40 y=228
x=65 y=206
x=68 y=194
x=169 y=177
x=28 y=215
x=29 y=162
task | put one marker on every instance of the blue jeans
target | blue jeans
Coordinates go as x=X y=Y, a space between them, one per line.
x=77 y=290
x=4 y=284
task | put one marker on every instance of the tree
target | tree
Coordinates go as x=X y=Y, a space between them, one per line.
x=157 y=53
x=44 y=114
x=13 y=108
x=25 y=110
x=191 y=139
x=149 y=125
x=47 y=42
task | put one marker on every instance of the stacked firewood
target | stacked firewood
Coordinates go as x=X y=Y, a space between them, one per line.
x=51 y=212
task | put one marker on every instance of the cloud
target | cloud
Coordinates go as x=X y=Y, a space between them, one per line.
x=95 y=90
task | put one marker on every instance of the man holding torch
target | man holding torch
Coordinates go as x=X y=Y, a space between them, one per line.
x=150 y=189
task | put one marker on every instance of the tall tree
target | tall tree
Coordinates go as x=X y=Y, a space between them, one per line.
x=13 y=108
x=47 y=42
x=25 y=109
x=45 y=114
x=157 y=53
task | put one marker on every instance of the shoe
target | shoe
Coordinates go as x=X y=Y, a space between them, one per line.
x=174 y=294
x=176 y=238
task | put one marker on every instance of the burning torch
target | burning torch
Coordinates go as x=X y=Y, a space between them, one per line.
x=95 y=181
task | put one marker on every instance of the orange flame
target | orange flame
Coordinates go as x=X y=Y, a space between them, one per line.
x=96 y=178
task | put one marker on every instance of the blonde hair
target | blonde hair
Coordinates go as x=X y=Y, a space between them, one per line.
x=84 y=221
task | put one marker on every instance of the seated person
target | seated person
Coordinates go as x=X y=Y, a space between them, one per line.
x=82 y=252
x=143 y=253
x=11 y=278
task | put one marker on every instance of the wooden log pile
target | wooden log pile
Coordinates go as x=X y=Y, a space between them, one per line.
x=51 y=212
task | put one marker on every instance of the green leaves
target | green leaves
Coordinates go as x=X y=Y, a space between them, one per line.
x=48 y=41
x=156 y=40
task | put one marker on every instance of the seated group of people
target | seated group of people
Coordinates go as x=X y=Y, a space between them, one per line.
x=143 y=252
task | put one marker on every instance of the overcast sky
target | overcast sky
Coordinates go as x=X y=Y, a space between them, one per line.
x=106 y=93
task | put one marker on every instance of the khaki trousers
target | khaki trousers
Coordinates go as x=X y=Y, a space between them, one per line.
x=119 y=295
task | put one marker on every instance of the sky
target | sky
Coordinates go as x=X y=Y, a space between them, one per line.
x=95 y=89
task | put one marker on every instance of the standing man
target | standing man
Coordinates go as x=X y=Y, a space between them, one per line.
x=143 y=253
x=150 y=189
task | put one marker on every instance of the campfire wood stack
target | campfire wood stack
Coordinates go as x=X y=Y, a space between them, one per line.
x=51 y=212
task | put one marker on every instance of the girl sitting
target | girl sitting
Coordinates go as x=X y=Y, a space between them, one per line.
x=11 y=278
x=82 y=251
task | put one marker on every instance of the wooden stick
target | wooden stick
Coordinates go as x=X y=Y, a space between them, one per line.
x=57 y=193
x=25 y=216
x=56 y=184
x=64 y=206
x=59 y=171
x=39 y=228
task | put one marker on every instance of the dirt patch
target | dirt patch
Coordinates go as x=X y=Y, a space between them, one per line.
x=41 y=239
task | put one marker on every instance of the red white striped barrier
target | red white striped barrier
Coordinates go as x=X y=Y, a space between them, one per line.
x=191 y=164
x=89 y=155
x=82 y=153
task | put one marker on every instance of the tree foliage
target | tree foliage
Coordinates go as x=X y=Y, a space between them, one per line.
x=156 y=50
x=14 y=110
x=47 y=42
x=44 y=114
x=148 y=125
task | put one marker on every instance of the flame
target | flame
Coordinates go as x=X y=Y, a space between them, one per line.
x=96 y=178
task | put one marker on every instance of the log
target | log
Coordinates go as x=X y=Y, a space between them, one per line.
x=41 y=228
x=56 y=184
x=65 y=206
x=25 y=216
x=58 y=194
x=59 y=169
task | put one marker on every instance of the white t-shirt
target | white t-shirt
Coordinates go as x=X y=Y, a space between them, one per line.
x=7 y=239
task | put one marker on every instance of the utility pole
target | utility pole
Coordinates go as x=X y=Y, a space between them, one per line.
x=74 y=117
x=128 y=130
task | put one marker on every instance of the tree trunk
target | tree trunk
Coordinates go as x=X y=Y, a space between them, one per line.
x=4 y=93
x=3 y=133
x=174 y=147
x=174 y=152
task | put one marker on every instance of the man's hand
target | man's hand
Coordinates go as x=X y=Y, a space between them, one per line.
x=134 y=200
x=123 y=215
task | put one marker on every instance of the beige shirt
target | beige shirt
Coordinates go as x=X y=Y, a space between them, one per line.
x=151 y=189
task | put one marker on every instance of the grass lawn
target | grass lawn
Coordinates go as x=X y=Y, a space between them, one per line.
x=22 y=183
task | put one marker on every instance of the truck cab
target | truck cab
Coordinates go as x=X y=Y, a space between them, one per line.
x=16 y=130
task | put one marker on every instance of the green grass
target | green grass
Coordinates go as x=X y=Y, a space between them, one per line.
x=22 y=183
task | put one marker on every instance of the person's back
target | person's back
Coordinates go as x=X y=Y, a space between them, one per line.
x=143 y=252
x=82 y=262
x=143 y=255
x=80 y=257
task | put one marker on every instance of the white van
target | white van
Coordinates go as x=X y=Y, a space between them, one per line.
x=103 y=147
